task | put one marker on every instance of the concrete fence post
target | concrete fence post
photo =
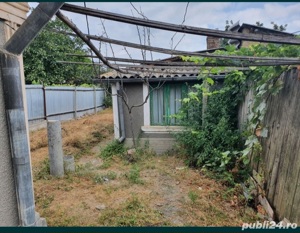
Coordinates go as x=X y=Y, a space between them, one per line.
x=69 y=163
x=55 y=148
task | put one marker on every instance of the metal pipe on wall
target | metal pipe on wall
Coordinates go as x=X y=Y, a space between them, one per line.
x=121 y=120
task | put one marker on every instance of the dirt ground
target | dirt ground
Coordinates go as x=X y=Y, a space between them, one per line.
x=152 y=191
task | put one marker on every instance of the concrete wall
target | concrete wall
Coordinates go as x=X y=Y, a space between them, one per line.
x=12 y=15
x=159 y=140
x=8 y=200
x=134 y=93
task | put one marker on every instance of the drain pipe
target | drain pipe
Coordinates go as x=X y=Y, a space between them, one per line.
x=14 y=107
x=121 y=114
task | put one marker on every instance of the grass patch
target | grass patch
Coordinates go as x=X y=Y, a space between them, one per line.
x=111 y=175
x=44 y=171
x=100 y=178
x=193 y=196
x=106 y=164
x=98 y=135
x=113 y=148
x=134 y=175
x=133 y=212
x=44 y=200
x=85 y=171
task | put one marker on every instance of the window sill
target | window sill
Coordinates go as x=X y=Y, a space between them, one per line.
x=162 y=129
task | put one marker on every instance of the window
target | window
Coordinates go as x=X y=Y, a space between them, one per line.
x=165 y=101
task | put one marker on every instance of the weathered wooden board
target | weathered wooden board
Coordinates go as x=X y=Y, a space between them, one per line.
x=280 y=160
x=14 y=12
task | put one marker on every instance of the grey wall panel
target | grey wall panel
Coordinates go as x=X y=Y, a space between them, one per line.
x=35 y=101
x=60 y=101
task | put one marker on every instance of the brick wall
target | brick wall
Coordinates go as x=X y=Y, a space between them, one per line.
x=212 y=42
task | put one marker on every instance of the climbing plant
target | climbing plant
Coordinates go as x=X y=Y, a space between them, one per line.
x=213 y=140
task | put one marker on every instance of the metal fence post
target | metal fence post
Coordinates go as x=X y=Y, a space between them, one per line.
x=95 y=101
x=75 y=103
x=45 y=103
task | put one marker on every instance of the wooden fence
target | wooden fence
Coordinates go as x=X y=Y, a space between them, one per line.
x=280 y=161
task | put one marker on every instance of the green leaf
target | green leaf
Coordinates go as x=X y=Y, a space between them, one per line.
x=246 y=160
x=210 y=81
x=186 y=100
x=262 y=106
x=230 y=48
x=225 y=154
x=246 y=151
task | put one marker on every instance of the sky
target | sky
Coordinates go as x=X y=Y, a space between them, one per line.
x=212 y=15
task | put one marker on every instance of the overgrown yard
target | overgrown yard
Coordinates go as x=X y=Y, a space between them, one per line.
x=112 y=188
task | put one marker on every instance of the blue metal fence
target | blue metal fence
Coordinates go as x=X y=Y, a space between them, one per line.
x=62 y=103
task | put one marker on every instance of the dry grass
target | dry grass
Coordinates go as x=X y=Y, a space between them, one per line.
x=153 y=191
x=78 y=136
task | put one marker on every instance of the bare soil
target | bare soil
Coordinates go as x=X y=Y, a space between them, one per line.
x=153 y=191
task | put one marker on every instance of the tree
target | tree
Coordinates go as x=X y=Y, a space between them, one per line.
x=40 y=58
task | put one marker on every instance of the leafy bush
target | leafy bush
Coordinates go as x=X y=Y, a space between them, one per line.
x=214 y=142
x=113 y=148
x=211 y=142
x=108 y=101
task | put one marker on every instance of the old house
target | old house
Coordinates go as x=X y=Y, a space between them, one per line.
x=143 y=104
x=156 y=96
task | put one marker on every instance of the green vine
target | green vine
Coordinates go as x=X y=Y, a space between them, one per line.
x=263 y=81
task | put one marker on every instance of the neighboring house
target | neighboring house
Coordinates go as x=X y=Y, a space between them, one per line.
x=252 y=29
